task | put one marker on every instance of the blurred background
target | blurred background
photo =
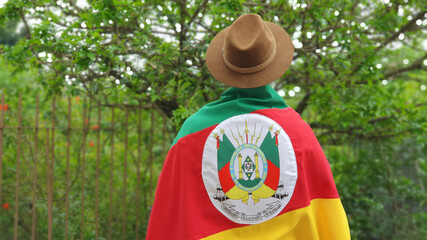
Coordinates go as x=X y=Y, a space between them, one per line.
x=93 y=93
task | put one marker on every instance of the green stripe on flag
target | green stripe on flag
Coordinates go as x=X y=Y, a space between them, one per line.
x=270 y=149
x=234 y=101
x=225 y=151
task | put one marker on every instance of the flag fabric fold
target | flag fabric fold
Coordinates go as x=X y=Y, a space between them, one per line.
x=248 y=174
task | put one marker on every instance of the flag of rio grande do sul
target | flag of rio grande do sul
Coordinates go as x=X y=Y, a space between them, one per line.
x=247 y=167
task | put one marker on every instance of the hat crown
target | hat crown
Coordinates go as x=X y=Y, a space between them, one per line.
x=249 y=42
x=250 y=53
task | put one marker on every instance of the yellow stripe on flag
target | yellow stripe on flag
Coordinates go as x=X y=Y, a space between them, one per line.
x=322 y=219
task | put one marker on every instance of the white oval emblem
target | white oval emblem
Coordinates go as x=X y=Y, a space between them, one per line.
x=249 y=168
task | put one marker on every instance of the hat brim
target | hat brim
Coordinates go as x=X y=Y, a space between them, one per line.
x=281 y=62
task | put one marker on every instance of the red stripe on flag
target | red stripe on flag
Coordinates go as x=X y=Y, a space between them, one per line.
x=315 y=178
x=182 y=208
x=225 y=178
x=273 y=175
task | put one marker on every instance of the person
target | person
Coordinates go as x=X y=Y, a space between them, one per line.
x=247 y=166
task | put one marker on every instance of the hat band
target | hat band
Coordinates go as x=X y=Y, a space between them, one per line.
x=254 y=69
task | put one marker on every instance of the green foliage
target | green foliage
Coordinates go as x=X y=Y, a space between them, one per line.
x=9 y=34
x=381 y=188
x=357 y=78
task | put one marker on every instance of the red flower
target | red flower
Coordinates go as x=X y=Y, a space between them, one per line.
x=91 y=144
x=4 y=107
x=6 y=206
x=95 y=127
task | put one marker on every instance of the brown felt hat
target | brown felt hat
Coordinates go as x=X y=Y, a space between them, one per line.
x=250 y=53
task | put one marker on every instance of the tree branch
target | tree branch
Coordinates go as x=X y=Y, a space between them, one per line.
x=252 y=4
x=202 y=6
x=302 y=105
x=416 y=65
x=403 y=29
x=26 y=24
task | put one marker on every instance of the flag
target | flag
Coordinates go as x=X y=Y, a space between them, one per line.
x=247 y=167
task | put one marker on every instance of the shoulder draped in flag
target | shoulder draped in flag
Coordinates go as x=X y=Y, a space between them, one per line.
x=247 y=167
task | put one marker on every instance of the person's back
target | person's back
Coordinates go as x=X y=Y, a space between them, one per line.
x=247 y=166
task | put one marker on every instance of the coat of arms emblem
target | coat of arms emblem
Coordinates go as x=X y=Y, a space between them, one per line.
x=249 y=168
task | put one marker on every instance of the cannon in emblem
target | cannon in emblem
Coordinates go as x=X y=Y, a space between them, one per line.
x=280 y=192
x=220 y=195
